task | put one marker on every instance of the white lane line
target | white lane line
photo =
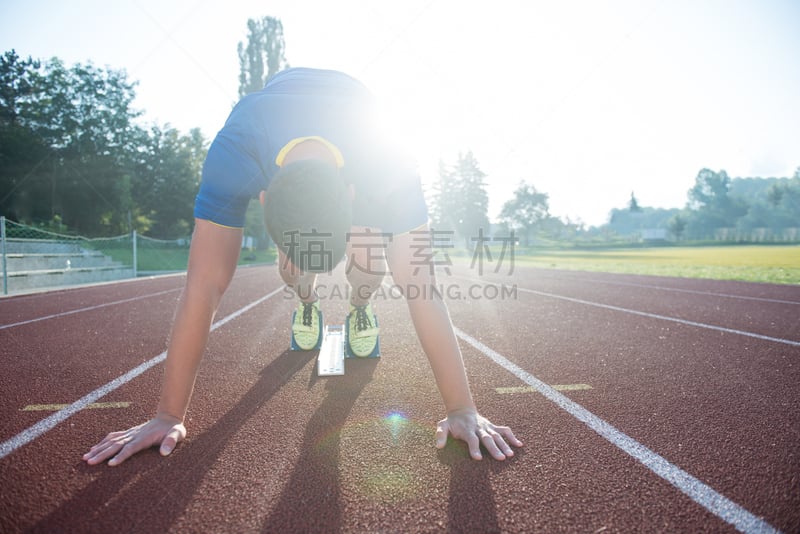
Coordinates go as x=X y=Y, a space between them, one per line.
x=529 y=389
x=665 y=318
x=699 y=492
x=55 y=407
x=650 y=315
x=33 y=432
x=88 y=308
x=679 y=290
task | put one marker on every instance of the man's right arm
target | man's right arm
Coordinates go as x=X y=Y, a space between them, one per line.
x=213 y=256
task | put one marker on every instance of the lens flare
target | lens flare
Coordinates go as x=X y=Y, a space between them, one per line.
x=395 y=421
x=390 y=476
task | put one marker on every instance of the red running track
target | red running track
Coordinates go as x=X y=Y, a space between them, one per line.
x=683 y=411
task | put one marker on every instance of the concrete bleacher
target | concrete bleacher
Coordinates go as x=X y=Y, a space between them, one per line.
x=32 y=265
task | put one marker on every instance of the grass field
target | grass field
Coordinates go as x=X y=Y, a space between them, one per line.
x=175 y=259
x=755 y=263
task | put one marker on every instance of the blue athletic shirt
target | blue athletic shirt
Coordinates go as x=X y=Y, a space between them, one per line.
x=297 y=104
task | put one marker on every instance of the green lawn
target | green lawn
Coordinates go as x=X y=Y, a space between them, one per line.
x=754 y=263
x=176 y=258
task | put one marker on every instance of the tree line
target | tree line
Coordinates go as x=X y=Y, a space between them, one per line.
x=718 y=208
x=721 y=208
x=459 y=204
x=73 y=156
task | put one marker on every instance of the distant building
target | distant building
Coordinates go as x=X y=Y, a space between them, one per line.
x=654 y=234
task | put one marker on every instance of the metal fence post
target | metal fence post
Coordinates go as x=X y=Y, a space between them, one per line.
x=135 y=263
x=5 y=266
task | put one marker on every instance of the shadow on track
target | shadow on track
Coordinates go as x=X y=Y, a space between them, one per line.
x=310 y=501
x=471 y=505
x=154 y=491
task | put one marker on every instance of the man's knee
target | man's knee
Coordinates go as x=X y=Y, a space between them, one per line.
x=290 y=274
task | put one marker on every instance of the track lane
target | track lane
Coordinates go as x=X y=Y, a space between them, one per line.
x=701 y=286
x=689 y=485
x=267 y=438
x=770 y=317
x=35 y=306
x=677 y=390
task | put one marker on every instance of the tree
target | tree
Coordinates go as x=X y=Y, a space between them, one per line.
x=474 y=207
x=87 y=120
x=775 y=194
x=633 y=204
x=70 y=151
x=19 y=79
x=263 y=56
x=442 y=201
x=70 y=130
x=166 y=178
x=772 y=203
x=710 y=204
x=677 y=225
x=710 y=190
x=461 y=203
x=528 y=209
x=22 y=152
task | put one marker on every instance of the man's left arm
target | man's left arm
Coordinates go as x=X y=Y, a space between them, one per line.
x=406 y=254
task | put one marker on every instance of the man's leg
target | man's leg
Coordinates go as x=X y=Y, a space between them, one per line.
x=365 y=269
x=304 y=284
x=307 y=323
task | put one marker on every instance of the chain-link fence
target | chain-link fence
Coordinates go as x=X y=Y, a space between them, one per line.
x=35 y=258
x=757 y=235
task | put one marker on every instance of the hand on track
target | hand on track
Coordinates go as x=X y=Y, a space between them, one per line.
x=162 y=430
x=476 y=430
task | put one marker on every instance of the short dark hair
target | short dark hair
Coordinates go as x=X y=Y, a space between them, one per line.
x=308 y=213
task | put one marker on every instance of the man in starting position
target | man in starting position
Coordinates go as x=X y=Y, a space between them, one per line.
x=329 y=184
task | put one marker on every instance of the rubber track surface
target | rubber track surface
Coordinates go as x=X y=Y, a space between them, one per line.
x=704 y=376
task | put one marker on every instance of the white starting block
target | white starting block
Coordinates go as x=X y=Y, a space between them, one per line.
x=331 y=355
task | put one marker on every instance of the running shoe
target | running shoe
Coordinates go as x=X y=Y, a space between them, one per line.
x=307 y=326
x=362 y=330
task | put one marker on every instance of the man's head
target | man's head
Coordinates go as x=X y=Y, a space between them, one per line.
x=308 y=212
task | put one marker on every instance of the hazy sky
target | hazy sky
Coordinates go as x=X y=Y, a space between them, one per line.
x=586 y=100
